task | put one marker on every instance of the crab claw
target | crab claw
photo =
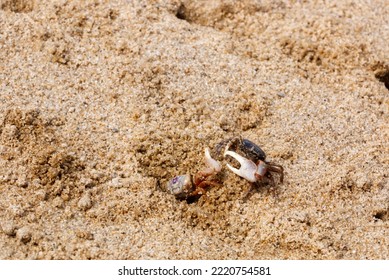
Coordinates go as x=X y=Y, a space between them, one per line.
x=247 y=168
x=211 y=163
x=212 y=168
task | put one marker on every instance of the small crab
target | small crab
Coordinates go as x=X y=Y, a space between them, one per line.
x=253 y=165
x=244 y=146
x=183 y=187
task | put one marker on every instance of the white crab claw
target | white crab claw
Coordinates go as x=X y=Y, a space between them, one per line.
x=213 y=164
x=247 y=168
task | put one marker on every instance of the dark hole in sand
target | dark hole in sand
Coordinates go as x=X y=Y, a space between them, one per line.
x=381 y=215
x=181 y=12
x=383 y=77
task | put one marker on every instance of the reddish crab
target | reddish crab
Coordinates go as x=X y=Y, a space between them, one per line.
x=183 y=187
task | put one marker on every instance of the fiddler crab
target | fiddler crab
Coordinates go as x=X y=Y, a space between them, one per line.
x=183 y=187
x=253 y=167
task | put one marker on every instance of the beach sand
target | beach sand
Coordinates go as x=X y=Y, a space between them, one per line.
x=103 y=102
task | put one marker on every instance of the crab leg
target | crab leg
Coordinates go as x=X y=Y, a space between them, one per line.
x=277 y=168
x=247 y=168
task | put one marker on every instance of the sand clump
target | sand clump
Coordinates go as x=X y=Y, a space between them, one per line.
x=101 y=103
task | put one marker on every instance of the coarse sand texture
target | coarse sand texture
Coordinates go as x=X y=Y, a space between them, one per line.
x=103 y=102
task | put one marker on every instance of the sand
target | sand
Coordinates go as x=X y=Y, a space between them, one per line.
x=103 y=102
